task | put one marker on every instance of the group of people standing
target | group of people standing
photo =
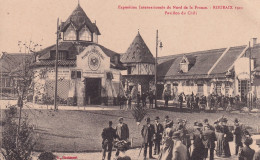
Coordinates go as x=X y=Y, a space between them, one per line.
x=172 y=141
x=212 y=101
x=125 y=102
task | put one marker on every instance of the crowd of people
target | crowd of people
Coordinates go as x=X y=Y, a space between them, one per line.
x=125 y=102
x=172 y=141
x=194 y=102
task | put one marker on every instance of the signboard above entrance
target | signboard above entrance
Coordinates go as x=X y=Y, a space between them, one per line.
x=93 y=60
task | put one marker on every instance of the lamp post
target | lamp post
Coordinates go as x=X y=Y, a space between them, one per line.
x=56 y=66
x=155 y=74
x=250 y=79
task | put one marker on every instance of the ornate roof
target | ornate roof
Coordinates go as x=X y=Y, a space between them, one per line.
x=79 y=19
x=138 y=52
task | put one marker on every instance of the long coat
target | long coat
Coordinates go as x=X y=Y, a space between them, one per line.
x=238 y=134
x=179 y=151
x=246 y=153
x=147 y=133
x=158 y=130
x=209 y=138
x=122 y=131
x=197 y=153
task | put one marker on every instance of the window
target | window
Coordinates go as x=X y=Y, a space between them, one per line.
x=75 y=74
x=129 y=70
x=200 y=89
x=2 y=82
x=62 y=55
x=70 y=33
x=85 y=34
x=218 y=88
x=78 y=74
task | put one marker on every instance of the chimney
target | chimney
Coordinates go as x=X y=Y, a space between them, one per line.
x=254 y=41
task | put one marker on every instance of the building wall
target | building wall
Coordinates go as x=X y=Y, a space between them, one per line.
x=142 y=69
x=91 y=63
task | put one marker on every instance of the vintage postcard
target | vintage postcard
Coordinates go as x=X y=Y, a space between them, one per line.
x=129 y=79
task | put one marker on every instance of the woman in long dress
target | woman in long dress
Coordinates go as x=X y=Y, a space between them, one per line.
x=167 y=146
x=220 y=141
x=222 y=133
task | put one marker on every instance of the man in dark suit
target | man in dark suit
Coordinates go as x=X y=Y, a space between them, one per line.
x=246 y=153
x=168 y=123
x=197 y=153
x=208 y=139
x=238 y=133
x=181 y=101
x=108 y=135
x=158 y=135
x=122 y=131
x=147 y=133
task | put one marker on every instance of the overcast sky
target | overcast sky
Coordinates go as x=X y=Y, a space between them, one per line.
x=36 y=20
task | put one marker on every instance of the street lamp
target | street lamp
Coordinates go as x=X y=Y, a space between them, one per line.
x=155 y=74
x=56 y=66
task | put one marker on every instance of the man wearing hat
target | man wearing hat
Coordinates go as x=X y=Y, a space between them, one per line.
x=122 y=131
x=246 y=153
x=108 y=135
x=238 y=133
x=198 y=147
x=206 y=123
x=226 y=139
x=157 y=135
x=147 y=133
x=179 y=149
x=208 y=139
x=168 y=123
x=257 y=153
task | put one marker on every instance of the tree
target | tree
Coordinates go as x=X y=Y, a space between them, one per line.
x=17 y=147
x=18 y=136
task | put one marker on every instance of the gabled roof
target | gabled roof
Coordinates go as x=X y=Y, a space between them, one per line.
x=219 y=61
x=255 y=54
x=11 y=61
x=73 y=49
x=228 y=59
x=203 y=61
x=79 y=19
x=138 y=52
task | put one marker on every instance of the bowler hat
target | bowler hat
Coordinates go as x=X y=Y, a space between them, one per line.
x=236 y=120
x=205 y=120
x=166 y=116
x=120 y=118
x=157 y=118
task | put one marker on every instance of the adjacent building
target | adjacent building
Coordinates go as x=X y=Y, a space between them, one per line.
x=139 y=63
x=223 y=71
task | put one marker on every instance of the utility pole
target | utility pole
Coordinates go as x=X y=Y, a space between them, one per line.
x=56 y=67
x=250 y=79
x=155 y=71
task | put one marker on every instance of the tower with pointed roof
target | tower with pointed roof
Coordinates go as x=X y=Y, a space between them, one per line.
x=78 y=27
x=139 y=62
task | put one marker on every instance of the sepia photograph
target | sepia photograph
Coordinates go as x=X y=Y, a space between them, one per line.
x=130 y=79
